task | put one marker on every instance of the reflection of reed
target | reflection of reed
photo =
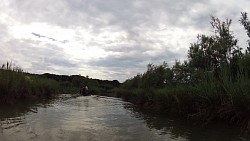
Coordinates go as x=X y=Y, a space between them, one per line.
x=182 y=129
x=86 y=103
x=21 y=108
x=13 y=115
x=12 y=122
x=1 y=128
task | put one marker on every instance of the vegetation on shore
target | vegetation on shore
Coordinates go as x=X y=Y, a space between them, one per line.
x=72 y=84
x=18 y=85
x=15 y=84
x=213 y=84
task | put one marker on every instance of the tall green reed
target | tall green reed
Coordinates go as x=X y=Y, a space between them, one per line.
x=15 y=84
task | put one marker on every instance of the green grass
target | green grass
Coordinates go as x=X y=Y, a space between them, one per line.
x=15 y=84
x=207 y=100
x=18 y=85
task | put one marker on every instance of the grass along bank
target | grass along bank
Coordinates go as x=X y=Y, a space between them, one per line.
x=213 y=84
x=18 y=85
x=15 y=85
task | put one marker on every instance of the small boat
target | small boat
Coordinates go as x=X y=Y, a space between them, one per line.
x=85 y=91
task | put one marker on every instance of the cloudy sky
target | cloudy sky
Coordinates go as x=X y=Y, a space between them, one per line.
x=106 y=39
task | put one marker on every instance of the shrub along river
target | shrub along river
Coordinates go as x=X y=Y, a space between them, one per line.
x=95 y=118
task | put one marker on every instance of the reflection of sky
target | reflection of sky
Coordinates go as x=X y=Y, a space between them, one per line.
x=82 y=118
x=100 y=119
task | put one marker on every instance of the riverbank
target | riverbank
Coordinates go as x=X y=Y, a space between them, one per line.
x=212 y=84
x=16 y=85
x=192 y=103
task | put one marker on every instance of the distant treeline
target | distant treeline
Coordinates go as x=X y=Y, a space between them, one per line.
x=15 y=84
x=73 y=83
x=212 y=84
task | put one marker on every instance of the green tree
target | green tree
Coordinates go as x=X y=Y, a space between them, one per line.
x=246 y=23
x=182 y=72
x=220 y=49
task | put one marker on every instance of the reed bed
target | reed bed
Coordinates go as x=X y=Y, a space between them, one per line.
x=16 y=84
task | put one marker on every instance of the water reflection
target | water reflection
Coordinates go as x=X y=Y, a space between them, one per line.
x=13 y=115
x=72 y=117
x=186 y=130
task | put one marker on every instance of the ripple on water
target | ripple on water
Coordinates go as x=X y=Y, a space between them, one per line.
x=96 y=118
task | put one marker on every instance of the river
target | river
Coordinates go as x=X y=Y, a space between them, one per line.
x=96 y=118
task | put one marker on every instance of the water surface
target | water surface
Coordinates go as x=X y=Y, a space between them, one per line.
x=95 y=118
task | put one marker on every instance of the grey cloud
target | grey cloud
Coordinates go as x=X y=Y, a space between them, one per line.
x=114 y=61
x=131 y=16
x=135 y=18
x=137 y=59
x=127 y=65
x=38 y=35
x=3 y=30
x=128 y=14
x=46 y=11
x=52 y=39
x=48 y=58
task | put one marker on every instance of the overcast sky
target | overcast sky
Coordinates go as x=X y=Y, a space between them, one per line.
x=107 y=39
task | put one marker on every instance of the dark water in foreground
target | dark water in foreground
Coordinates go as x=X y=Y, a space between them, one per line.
x=94 y=118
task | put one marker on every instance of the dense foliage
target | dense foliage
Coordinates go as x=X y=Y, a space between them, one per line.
x=73 y=83
x=15 y=84
x=18 y=85
x=213 y=83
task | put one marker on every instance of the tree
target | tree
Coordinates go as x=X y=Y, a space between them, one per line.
x=246 y=23
x=182 y=72
x=220 y=49
x=201 y=54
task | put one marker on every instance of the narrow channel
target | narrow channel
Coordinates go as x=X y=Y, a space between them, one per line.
x=96 y=118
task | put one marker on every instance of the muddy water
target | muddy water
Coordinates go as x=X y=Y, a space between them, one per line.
x=94 y=118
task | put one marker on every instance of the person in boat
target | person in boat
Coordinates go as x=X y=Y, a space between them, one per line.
x=86 y=90
x=83 y=89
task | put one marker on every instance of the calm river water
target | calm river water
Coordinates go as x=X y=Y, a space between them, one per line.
x=95 y=118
